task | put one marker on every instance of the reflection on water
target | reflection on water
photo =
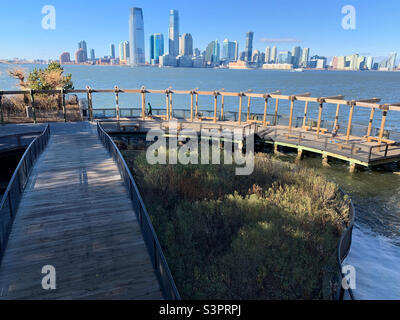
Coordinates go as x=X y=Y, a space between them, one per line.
x=375 y=252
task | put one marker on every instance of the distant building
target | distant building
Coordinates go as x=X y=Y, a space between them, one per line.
x=274 y=54
x=369 y=64
x=82 y=45
x=236 y=50
x=136 y=37
x=184 y=61
x=168 y=60
x=92 y=55
x=173 y=33
x=317 y=62
x=305 y=55
x=198 y=61
x=296 y=55
x=277 y=66
x=390 y=63
x=186 y=45
x=156 y=47
x=267 y=54
x=249 y=46
x=213 y=53
x=228 y=51
x=65 y=57
x=80 y=56
x=196 y=52
x=112 y=51
x=285 y=57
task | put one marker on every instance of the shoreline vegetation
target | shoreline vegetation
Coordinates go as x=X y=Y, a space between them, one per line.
x=270 y=235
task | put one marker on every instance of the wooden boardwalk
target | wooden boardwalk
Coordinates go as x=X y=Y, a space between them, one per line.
x=76 y=215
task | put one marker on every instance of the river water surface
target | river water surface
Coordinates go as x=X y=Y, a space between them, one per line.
x=375 y=251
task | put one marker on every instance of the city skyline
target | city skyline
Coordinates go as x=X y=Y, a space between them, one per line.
x=377 y=42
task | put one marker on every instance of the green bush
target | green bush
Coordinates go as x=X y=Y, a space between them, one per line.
x=271 y=235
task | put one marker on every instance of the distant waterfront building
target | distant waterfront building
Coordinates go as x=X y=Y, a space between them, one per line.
x=173 y=33
x=112 y=51
x=285 y=57
x=296 y=55
x=80 y=56
x=186 y=45
x=228 y=51
x=65 y=57
x=390 y=63
x=213 y=53
x=242 y=56
x=82 y=45
x=267 y=54
x=92 y=55
x=249 y=46
x=184 y=61
x=198 y=61
x=317 y=62
x=256 y=58
x=136 y=37
x=196 y=52
x=369 y=63
x=305 y=55
x=168 y=60
x=274 y=54
x=277 y=66
x=156 y=47
x=236 y=50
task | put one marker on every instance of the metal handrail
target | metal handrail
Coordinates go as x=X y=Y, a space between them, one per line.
x=344 y=246
x=167 y=284
x=12 y=197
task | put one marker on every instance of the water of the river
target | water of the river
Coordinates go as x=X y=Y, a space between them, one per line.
x=376 y=241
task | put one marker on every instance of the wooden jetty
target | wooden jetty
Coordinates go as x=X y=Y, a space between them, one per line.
x=68 y=218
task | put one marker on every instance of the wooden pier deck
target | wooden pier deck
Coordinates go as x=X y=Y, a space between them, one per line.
x=76 y=215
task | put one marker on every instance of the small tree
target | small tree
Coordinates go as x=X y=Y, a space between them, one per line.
x=51 y=78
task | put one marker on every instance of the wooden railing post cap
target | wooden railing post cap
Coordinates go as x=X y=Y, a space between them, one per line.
x=116 y=89
x=384 y=107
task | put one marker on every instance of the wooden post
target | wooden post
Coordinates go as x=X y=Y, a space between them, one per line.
x=90 y=102
x=63 y=104
x=196 y=114
x=32 y=92
x=265 y=112
x=371 y=120
x=117 y=103
x=240 y=107
x=305 y=114
x=248 y=109
x=170 y=105
x=291 y=113
x=337 y=116
x=1 y=109
x=143 y=103
x=350 y=121
x=167 y=104
x=276 y=112
x=321 y=106
x=191 y=105
x=382 y=130
x=215 y=106
x=222 y=108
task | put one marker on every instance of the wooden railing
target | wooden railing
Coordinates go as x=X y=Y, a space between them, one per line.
x=12 y=197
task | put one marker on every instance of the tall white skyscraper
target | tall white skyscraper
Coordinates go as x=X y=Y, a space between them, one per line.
x=274 y=54
x=296 y=55
x=136 y=37
x=267 y=54
x=305 y=56
x=173 y=33
x=186 y=45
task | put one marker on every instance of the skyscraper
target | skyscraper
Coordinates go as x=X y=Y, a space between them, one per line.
x=305 y=55
x=136 y=37
x=92 y=55
x=296 y=53
x=236 y=50
x=370 y=63
x=267 y=54
x=80 y=56
x=121 y=52
x=229 y=50
x=65 y=57
x=173 y=34
x=213 y=53
x=274 y=54
x=285 y=57
x=156 y=47
x=82 y=45
x=112 y=51
x=186 y=45
x=124 y=52
x=249 y=46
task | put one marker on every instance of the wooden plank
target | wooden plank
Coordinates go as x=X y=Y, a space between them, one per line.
x=68 y=218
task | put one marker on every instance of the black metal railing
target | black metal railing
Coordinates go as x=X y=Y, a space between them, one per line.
x=344 y=249
x=157 y=257
x=12 y=197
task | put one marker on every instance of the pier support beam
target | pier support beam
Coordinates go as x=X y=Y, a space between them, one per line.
x=276 y=149
x=325 y=160
x=353 y=167
x=299 y=155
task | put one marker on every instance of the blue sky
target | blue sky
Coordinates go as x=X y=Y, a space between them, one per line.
x=314 y=24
